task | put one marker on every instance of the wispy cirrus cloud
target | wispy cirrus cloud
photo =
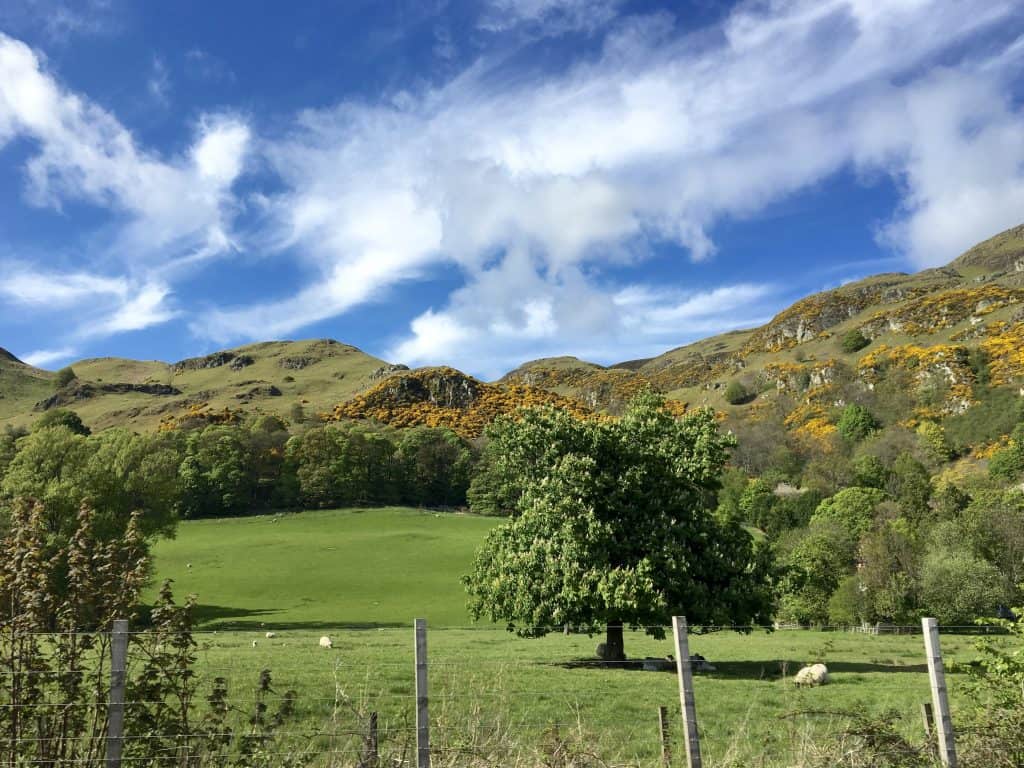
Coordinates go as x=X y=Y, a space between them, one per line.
x=44 y=358
x=548 y=17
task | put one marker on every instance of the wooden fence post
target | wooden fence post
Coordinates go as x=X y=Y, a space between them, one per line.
x=118 y=679
x=666 y=750
x=940 y=697
x=371 y=757
x=686 y=700
x=422 y=712
x=926 y=718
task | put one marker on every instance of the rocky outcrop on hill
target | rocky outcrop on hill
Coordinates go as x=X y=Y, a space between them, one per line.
x=445 y=397
x=83 y=391
x=216 y=360
x=1002 y=254
x=386 y=370
x=809 y=318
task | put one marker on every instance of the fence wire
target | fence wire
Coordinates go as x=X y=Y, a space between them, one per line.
x=494 y=699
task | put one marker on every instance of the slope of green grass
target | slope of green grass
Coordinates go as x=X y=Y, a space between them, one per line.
x=330 y=568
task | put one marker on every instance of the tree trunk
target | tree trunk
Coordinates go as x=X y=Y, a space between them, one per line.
x=614 y=643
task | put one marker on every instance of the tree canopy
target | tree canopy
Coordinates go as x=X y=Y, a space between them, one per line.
x=615 y=526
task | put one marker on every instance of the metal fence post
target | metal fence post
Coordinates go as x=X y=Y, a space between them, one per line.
x=118 y=679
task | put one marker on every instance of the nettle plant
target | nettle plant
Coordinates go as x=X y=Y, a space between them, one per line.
x=59 y=597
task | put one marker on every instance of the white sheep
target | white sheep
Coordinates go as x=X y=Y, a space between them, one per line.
x=253 y=643
x=271 y=635
x=815 y=674
x=325 y=642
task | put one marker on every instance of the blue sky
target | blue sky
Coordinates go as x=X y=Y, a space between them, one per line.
x=483 y=183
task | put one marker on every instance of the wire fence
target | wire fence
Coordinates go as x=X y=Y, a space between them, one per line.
x=347 y=698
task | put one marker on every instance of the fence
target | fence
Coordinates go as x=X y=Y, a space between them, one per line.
x=474 y=697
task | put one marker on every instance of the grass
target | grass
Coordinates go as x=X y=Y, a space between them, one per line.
x=375 y=567
x=361 y=576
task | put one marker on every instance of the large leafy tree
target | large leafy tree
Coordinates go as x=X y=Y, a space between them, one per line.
x=614 y=526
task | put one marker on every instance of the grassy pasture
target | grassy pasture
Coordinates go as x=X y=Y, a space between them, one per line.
x=362 y=576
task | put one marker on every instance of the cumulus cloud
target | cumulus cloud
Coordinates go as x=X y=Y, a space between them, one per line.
x=489 y=328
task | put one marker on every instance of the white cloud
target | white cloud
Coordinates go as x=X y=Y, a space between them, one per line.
x=172 y=207
x=550 y=17
x=533 y=185
x=41 y=358
x=26 y=286
x=509 y=314
x=101 y=306
x=159 y=83
x=655 y=140
x=146 y=307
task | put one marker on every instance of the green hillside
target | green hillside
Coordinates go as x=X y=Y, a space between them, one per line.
x=355 y=567
x=270 y=377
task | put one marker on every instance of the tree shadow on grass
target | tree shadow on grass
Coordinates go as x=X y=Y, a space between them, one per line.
x=749 y=670
x=224 y=619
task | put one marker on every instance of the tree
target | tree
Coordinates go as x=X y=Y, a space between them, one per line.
x=736 y=393
x=856 y=422
x=813 y=570
x=216 y=473
x=854 y=341
x=520 y=450
x=61 y=417
x=64 y=377
x=618 y=530
x=853 y=508
x=869 y=472
x=436 y=465
x=756 y=503
x=958 y=587
x=117 y=472
x=910 y=484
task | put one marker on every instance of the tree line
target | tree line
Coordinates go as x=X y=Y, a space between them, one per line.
x=226 y=470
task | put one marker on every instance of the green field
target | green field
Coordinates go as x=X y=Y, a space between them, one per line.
x=362 y=576
x=355 y=568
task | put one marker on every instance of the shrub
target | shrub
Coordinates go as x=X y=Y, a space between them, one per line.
x=61 y=417
x=854 y=341
x=736 y=393
x=856 y=422
x=64 y=377
x=995 y=414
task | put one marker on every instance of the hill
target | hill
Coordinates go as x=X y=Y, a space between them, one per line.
x=271 y=377
x=930 y=323
x=933 y=327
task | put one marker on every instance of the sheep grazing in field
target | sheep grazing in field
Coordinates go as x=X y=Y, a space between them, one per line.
x=271 y=635
x=816 y=674
x=188 y=565
x=253 y=643
x=325 y=642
